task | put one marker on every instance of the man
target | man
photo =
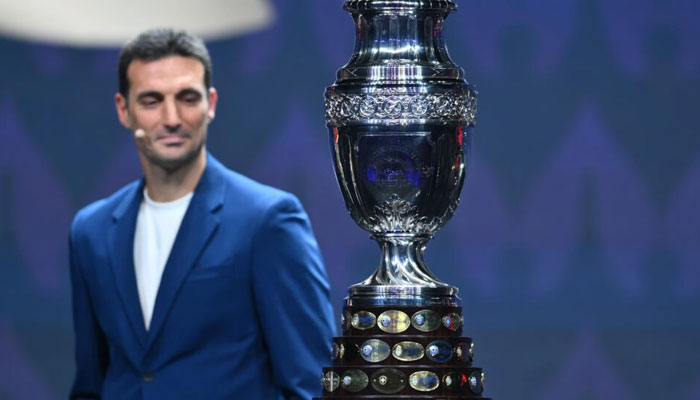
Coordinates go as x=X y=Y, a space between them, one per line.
x=193 y=282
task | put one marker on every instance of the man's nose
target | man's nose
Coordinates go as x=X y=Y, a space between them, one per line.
x=171 y=117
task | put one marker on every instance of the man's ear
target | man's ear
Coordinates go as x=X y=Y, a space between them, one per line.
x=122 y=110
x=213 y=98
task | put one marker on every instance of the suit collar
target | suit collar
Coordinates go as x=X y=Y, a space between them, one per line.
x=120 y=238
x=130 y=201
x=210 y=186
x=198 y=226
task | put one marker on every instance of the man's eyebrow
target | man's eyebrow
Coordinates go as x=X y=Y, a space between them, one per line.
x=150 y=93
x=187 y=92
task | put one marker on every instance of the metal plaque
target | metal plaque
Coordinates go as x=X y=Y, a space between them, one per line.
x=426 y=320
x=354 y=380
x=452 y=321
x=388 y=381
x=335 y=351
x=363 y=320
x=476 y=382
x=439 y=351
x=454 y=381
x=393 y=321
x=374 y=350
x=408 y=351
x=330 y=381
x=465 y=352
x=424 y=381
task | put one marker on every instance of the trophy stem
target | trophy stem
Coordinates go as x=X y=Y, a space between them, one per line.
x=402 y=276
x=402 y=262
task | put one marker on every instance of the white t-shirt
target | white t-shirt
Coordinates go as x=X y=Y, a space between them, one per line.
x=157 y=225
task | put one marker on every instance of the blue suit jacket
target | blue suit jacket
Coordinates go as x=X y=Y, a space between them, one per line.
x=243 y=307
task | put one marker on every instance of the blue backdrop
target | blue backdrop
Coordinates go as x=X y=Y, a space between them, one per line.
x=577 y=242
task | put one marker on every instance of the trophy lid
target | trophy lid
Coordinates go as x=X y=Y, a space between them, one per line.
x=400 y=42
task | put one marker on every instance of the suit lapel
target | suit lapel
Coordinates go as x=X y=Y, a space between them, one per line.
x=198 y=226
x=121 y=249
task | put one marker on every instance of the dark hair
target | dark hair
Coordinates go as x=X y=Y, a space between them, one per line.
x=159 y=43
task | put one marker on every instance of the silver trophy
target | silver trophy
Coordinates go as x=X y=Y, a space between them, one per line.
x=400 y=117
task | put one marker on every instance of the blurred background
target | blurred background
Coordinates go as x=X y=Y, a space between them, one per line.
x=577 y=243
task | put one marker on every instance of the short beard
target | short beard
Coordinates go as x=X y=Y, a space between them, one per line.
x=173 y=165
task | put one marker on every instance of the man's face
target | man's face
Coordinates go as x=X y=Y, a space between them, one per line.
x=168 y=100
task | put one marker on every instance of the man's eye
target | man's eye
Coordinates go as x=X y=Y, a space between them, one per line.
x=148 y=102
x=191 y=99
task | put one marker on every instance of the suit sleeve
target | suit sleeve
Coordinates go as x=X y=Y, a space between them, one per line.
x=292 y=298
x=91 y=351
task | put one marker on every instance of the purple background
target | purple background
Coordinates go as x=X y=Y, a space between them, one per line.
x=577 y=242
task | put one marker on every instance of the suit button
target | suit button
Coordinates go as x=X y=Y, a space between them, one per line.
x=147 y=376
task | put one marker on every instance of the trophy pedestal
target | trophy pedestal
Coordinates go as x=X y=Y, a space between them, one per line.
x=402 y=342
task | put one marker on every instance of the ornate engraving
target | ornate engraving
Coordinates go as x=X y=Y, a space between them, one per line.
x=396 y=215
x=394 y=106
x=399 y=216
